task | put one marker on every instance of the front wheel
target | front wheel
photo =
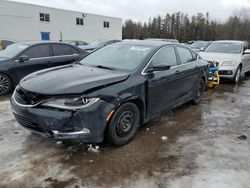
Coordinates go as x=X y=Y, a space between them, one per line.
x=198 y=92
x=5 y=84
x=124 y=124
x=236 y=78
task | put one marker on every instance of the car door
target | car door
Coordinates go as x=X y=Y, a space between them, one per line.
x=162 y=85
x=39 y=58
x=245 y=59
x=63 y=54
x=188 y=71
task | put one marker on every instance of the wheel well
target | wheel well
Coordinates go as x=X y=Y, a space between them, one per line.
x=140 y=106
x=203 y=78
x=240 y=65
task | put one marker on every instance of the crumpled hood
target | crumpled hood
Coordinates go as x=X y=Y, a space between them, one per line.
x=220 y=57
x=72 y=79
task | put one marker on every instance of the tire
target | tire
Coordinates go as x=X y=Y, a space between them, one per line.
x=123 y=124
x=199 y=90
x=236 y=78
x=5 y=84
x=247 y=74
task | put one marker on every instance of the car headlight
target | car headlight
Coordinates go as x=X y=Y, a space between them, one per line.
x=70 y=103
x=229 y=63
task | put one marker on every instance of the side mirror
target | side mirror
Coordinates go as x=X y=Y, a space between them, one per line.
x=23 y=58
x=158 y=68
x=247 y=51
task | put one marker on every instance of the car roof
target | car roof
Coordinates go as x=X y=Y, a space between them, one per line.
x=162 y=39
x=30 y=43
x=233 y=41
x=151 y=43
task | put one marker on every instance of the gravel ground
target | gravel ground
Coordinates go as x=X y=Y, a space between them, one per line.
x=193 y=146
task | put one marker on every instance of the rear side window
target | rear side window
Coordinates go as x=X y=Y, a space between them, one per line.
x=63 y=50
x=185 y=55
x=38 y=51
x=165 y=56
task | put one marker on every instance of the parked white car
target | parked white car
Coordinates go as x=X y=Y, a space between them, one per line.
x=233 y=58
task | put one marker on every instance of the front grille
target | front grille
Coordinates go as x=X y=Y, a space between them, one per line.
x=225 y=72
x=28 y=123
x=27 y=98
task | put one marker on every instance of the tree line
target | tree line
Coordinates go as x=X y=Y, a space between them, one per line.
x=185 y=28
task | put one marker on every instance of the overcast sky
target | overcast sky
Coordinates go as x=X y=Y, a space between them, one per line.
x=143 y=9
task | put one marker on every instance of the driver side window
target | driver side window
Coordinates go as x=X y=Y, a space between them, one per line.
x=165 y=56
x=38 y=51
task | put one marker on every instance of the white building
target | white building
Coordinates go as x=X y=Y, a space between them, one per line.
x=21 y=21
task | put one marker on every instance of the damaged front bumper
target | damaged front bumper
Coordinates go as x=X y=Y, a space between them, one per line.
x=85 y=126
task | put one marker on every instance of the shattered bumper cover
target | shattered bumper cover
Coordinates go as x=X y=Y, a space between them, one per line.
x=86 y=126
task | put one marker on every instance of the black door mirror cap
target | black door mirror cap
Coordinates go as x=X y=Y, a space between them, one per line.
x=23 y=58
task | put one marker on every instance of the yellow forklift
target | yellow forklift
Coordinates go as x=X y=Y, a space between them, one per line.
x=213 y=75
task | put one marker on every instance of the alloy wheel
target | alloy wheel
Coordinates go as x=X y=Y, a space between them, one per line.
x=4 y=85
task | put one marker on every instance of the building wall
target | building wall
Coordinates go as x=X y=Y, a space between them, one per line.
x=19 y=21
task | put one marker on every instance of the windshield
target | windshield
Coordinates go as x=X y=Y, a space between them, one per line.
x=117 y=56
x=12 y=50
x=224 y=47
x=198 y=45
x=97 y=42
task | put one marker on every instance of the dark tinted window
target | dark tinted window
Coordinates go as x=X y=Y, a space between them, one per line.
x=79 y=21
x=165 y=56
x=37 y=51
x=185 y=55
x=106 y=24
x=44 y=17
x=63 y=50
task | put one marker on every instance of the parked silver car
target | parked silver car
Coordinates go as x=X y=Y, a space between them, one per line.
x=232 y=56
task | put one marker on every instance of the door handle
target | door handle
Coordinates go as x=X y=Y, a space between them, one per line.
x=177 y=72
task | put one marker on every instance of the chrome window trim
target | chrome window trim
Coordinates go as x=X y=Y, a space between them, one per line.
x=144 y=69
x=40 y=58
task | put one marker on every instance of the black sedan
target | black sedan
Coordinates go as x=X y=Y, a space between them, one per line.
x=112 y=91
x=21 y=59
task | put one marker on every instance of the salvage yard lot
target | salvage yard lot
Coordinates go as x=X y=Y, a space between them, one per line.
x=202 y=149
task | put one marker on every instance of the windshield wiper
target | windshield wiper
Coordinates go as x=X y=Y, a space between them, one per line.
x=104 y=67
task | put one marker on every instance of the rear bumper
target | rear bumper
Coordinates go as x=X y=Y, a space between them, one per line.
x=86 y=126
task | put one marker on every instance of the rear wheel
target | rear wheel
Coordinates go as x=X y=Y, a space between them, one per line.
x=198 y=92
x=5 y=84
x=124 y=124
